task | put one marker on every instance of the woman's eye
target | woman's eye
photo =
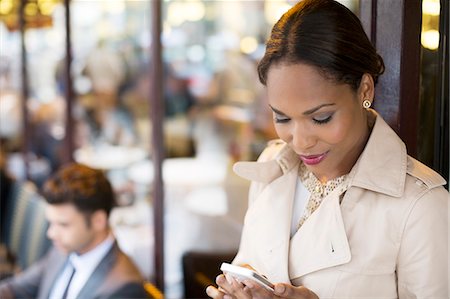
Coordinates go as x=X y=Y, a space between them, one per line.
x=322 y=120
x=280 y=119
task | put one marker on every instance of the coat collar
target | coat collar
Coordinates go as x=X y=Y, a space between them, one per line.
x=96 y=280
x=276 y=160
x=383 y=148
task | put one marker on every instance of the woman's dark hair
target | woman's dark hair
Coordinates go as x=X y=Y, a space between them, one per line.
x=324 y=34
x=87 y=189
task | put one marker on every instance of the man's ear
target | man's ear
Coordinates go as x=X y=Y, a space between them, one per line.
x=99 y=220
x=366 y=90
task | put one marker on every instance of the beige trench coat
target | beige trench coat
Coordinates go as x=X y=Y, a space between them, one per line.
x=388 y=238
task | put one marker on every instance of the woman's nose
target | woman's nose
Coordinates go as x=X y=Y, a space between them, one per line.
x=303 y=140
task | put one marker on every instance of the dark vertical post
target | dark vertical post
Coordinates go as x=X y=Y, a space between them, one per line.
x=410 y=74
x=69 y=94
x=157 y=114
x=394 y=27
x=441 y=147
x=26 y=145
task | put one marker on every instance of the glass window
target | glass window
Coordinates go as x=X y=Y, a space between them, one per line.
x=433 y=118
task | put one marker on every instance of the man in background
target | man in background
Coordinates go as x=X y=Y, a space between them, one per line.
x=85 y=260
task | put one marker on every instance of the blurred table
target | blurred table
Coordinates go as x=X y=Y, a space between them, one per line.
x=114 y=160
x=195 y=183
x=181 y=172
x=109 y=157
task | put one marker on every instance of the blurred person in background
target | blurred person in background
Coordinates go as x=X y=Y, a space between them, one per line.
x=85 y=260
x=179 y=103
x=10 y=109
x=109 y=121
x=337 y=208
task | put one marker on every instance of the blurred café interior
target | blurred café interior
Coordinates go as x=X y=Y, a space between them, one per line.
x=164 y=97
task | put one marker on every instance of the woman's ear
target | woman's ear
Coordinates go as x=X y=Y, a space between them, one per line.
x=366 y=90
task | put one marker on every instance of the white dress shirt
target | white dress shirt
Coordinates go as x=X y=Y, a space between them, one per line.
x=84 y=265
x=300 y=199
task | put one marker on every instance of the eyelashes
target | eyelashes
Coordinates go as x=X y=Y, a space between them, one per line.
x=279 y=120
x=316 y=120
x=324 y=120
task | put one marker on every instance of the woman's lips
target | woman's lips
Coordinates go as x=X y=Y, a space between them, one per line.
x=313 y=159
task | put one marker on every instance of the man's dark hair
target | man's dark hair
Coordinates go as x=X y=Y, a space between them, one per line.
x=324 y=34
x=86 y=188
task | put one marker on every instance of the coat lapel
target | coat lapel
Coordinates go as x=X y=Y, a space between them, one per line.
x=55 y=266
x=272 y=229
x=321 y=242
x=97 y=277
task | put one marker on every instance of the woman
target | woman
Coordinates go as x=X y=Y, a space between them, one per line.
x=337 y=208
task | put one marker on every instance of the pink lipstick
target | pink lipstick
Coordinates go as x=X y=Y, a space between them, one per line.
x=313 y=159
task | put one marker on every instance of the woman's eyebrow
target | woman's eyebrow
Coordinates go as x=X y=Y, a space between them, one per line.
x=311 y=111
x=277 y=111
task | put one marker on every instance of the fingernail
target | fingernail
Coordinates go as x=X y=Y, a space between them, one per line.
x=279 y=289
x=220 y=279
x=229 y=278
x=249 y=284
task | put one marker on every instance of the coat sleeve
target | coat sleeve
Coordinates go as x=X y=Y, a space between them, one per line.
x=25 y=284
x=422 y=268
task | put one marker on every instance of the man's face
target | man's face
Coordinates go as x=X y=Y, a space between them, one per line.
x=69 y=229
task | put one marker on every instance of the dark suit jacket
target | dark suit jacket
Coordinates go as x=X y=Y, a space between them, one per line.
x=114 y=277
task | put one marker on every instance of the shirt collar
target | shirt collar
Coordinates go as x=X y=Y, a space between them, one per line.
x=89 y=260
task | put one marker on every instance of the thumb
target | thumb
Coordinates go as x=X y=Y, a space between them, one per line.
x=283 y=290
x=290 y=292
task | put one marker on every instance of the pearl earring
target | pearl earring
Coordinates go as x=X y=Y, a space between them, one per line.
x=366 y=104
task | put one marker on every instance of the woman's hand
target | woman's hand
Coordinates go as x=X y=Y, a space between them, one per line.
x=230 y=288
x=284 y=290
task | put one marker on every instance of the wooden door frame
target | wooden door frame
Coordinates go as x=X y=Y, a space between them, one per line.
x=394 y=27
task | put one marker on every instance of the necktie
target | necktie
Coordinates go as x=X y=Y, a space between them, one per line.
x=64 y=296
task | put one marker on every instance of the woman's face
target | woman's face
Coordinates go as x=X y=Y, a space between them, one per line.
x=323 y=122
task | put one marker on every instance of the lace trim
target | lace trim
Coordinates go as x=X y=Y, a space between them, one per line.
x=317 y=190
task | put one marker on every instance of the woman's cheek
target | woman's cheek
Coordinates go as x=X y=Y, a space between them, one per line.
x=282 y=132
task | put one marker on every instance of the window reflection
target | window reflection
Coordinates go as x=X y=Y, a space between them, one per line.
x=429 y=92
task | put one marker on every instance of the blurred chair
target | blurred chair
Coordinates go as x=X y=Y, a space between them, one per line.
x=24 y=225
x=200 y=270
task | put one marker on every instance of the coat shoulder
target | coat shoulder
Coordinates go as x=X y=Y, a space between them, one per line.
x=424 y=174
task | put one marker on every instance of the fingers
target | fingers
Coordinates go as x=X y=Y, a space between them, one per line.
x=247 y=266
x=231 y=288
x=288 y=291
x=237 y=289
x=218 y=293
x=214 y=293
x=257 y=291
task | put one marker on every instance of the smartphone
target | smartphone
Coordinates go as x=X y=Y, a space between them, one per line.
x=241 y=273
